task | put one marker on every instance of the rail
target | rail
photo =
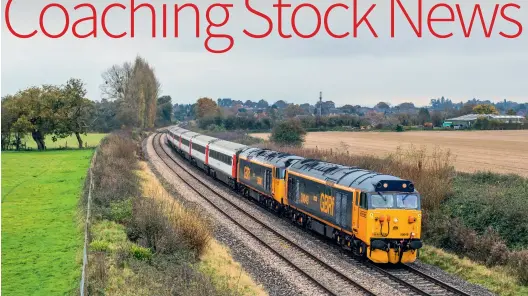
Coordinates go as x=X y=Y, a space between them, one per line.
x=346 y=278
x=428 y=285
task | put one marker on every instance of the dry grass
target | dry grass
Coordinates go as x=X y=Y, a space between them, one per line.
x=159 y=210
x=218 y=263
x=215 y=259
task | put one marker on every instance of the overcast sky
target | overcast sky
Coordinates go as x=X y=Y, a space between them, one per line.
x=363 y=70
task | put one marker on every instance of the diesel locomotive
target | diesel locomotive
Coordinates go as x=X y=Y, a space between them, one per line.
x=373 y=215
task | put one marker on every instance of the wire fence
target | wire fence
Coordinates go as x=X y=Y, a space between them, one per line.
x=87 y=227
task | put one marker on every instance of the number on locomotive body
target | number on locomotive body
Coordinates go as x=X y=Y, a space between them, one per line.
x=247 y=173
x=305 y=199
x=327 y=204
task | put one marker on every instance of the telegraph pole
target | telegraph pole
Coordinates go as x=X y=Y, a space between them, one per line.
x=320 y=104
x=319 y=110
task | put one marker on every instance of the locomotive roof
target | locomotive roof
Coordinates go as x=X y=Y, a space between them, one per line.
x=347 y=176
x=275 y=158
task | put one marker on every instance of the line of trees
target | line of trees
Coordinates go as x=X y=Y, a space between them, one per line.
x=46 y=110
x=130 y=99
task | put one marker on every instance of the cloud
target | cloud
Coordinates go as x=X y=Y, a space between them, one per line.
x=362 y=70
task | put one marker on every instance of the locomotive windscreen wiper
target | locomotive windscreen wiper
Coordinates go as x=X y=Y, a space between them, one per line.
x=383 y=196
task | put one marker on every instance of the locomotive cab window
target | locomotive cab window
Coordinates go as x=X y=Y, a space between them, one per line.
x=402 y=200
x=408 y=201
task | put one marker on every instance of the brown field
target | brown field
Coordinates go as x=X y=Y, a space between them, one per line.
x=498 y=151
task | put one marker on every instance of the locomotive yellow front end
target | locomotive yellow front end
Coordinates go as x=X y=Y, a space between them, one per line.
x=391 y=223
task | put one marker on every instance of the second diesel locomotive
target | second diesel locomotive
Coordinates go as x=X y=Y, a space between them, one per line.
x=374 y=215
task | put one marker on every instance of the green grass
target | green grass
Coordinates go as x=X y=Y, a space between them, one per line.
x=71 y=141
x=500 y=280
x=42 y=239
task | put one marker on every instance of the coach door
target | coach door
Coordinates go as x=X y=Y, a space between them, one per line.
x=340 y=209
x=355 y=212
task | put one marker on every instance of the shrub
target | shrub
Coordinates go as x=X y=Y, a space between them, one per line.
x=158 y=226
x=99 y=246
x=108 y=231
x=114 y=177
x=289 y=133
x=140 y=253
x=518 y=260
x=121 y=211
x=485 y=200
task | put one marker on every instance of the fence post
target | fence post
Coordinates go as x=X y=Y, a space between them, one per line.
x=87 y=226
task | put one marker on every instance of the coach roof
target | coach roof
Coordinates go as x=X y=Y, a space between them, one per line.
x=355 y=177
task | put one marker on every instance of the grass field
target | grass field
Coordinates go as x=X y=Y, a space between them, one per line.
x=498 y=151
x=71 y=142
x=41 y=238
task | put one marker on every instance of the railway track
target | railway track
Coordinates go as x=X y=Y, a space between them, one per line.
x=413 y=281
x=405 y=278
x=333 y=282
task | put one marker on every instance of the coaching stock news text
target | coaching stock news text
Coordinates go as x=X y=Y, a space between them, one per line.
x=284 y=21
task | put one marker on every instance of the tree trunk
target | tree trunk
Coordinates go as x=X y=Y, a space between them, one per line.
x=79 y=140
x=17 y=142
x=39 y=139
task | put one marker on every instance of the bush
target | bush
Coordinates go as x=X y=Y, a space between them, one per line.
x=114 y=176
x=289 y=133
x=99 y=246
x=518 y=260
x=485 y=200
x=121 y=211
x=159 y=227
x=108 y=231
x=140 y=253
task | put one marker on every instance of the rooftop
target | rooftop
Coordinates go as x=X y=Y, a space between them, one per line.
x=470 y=117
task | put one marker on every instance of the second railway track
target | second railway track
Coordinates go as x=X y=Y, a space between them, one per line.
x=404 y=278
x=326 y=277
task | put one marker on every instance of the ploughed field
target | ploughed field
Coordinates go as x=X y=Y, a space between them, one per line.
x=497 y=151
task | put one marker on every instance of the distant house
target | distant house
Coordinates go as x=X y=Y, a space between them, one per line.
x=469 y=120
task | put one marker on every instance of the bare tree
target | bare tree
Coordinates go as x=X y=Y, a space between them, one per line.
x=135 y=87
